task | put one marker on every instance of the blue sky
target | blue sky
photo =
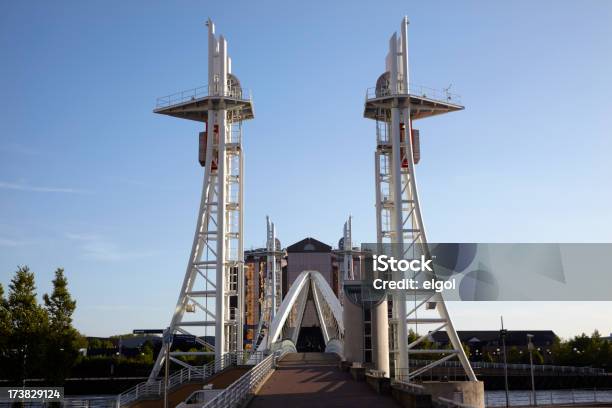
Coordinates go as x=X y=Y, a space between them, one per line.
x=92 y=181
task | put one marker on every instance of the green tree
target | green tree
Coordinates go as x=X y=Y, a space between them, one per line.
x=60 y=305
x=29 y=327
x=466 y=349
x=5 y=334
x=514 y=355
x=488 y=358
x=146 y=352
x=64 y=341
x=537 y=356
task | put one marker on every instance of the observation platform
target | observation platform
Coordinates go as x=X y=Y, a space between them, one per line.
x=194 y=104
x=424 y=102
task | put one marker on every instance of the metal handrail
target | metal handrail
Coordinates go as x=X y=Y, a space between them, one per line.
x=233 y=395
x=200 y=92
x=155 y=388
x=238 y=390
x=536 y=367
x=417 y=90
x=88 y=403
x=550 y=397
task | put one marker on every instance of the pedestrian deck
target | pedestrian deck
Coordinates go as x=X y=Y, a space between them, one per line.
x=313 y=380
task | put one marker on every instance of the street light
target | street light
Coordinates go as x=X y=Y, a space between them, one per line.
x=167 y=342
x=530 y=347
x=24 y=350
x=502 y=333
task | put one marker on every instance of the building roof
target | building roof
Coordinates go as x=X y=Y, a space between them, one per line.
x=309 y=245
x=514 y=337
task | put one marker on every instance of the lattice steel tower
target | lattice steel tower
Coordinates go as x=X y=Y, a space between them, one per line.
x=394 y=104
x=273 y=284
x=213 y=286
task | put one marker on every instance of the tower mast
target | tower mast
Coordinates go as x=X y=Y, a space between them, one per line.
x=394 y=104
x=213 y=285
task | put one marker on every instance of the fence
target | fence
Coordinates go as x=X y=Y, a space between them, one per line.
x=544 y=368
x=93 y=402
x=198 y=93
x=418 y=91
x=155 y=389
x=550 y=397
x=237 y=392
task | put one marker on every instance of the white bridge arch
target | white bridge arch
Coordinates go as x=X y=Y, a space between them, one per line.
x=285 y=327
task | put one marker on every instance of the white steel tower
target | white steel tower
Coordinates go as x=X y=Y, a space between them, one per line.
x=394 y=104
x=213 y=286
x=273 y=284
x=347 y=248
x=347 y=268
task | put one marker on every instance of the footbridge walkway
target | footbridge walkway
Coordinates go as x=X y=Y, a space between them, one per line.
x=314 y=380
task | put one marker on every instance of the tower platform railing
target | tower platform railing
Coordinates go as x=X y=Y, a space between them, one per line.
x=442 y=95
x=200 y=92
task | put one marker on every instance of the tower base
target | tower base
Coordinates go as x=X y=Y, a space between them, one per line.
x=466 y=392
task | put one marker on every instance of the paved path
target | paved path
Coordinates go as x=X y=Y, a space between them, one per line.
x=312 y=380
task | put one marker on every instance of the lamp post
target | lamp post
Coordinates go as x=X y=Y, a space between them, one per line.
x=502 y=334
x=167 y=342
x=25 y=360
x=530 y=347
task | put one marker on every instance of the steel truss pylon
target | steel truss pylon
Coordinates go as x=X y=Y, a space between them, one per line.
x=398 y=213
x=273 y=284
x=213 y=285
x=347 y=266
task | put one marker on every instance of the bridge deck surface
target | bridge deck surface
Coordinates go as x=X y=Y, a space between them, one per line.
x=313 y=380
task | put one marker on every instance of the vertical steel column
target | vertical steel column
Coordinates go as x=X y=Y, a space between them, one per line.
x=379 y=313
x=349 y=272
x=241 y=280
x=271 y=282
x=397 y=215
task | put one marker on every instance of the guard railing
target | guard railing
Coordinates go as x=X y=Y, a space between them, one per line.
x=237 y=392
x=155 y=389
x=524 y=398
x=417 y=90
x=526 y=367
x=198 y=93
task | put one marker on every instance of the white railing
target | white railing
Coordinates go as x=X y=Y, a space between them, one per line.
x=524 y=367
x=103 y=402
x=236 y=393
x=198 y=93
x=421 y=91
x=155 y=389
x=548 y=397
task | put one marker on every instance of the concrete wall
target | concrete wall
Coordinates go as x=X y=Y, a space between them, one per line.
x=467 y=392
